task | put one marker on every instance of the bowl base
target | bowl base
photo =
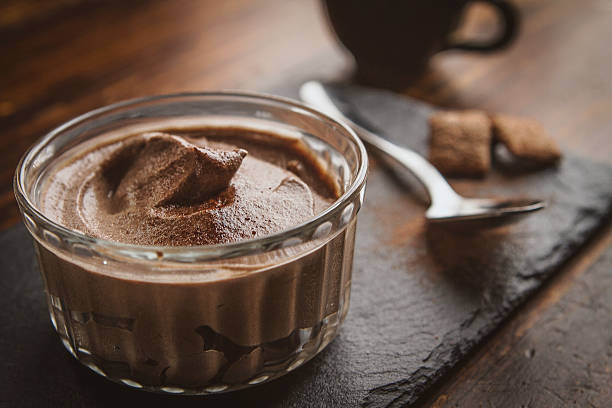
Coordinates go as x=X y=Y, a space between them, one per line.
x=312 y=340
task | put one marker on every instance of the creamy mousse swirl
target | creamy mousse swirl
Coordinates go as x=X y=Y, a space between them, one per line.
x=166 y=189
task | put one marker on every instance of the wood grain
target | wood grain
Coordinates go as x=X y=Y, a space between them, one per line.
x=96 y=53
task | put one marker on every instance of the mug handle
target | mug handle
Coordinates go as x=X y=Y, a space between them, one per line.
x=509 y=14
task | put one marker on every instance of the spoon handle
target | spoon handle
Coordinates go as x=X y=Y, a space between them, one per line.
x=436 y=185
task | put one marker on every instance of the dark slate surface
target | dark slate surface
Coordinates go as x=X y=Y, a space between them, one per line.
x=422 y=298
x=559 y=358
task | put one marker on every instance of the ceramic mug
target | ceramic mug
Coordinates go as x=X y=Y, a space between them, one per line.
x=392 y=40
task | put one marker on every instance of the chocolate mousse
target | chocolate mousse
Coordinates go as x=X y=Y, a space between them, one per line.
x=195 y=189
x=194 y=326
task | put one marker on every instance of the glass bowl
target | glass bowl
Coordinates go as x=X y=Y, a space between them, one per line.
x=199 y=319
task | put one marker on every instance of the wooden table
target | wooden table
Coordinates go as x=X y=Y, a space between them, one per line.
x=65 y=57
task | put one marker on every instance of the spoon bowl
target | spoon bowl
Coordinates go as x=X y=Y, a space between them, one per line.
x=465 y=209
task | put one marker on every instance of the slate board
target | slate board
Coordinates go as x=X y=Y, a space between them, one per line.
x=422 y=297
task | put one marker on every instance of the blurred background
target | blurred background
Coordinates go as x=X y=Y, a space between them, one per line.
x=65 y=57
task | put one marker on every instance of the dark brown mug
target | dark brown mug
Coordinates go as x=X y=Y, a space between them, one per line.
x=392 y=40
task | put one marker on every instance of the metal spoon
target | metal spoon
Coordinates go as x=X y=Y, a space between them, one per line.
x=446 y=205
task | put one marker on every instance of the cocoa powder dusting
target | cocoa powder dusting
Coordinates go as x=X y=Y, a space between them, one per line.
x=165 y=189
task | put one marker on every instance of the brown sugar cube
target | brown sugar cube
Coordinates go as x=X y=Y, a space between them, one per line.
x=525 y=138
x=460 y=143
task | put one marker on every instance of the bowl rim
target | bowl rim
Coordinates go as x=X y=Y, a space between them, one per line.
x=196 y=252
